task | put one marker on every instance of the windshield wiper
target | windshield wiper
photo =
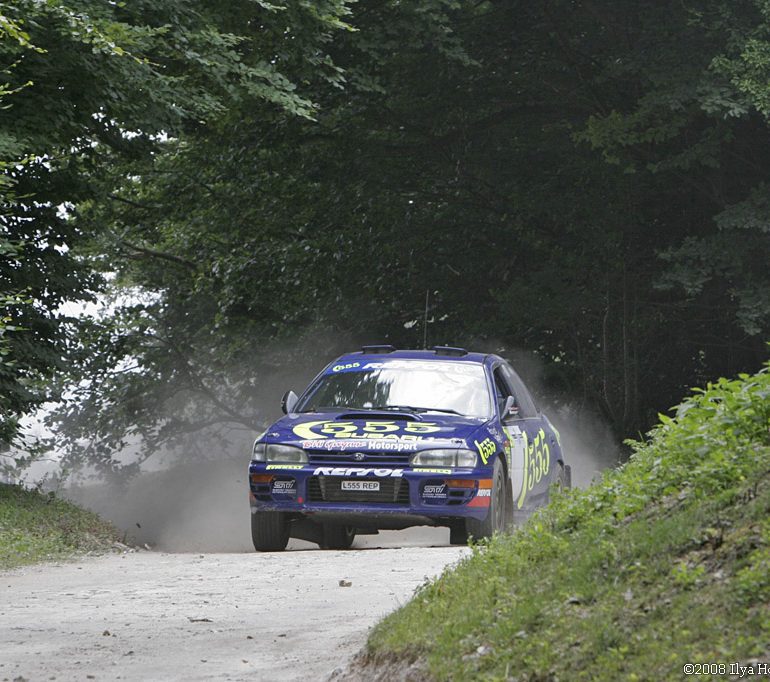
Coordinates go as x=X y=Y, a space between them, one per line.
x=400 y=408
x=411 y=408
x=447 y=410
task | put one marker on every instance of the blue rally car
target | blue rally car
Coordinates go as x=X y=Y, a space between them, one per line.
x=387 y=439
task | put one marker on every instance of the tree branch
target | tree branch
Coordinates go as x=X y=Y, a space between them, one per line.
x=159 y=254
x=135 y=204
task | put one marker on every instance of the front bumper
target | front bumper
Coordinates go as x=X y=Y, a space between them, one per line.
x=431 y=493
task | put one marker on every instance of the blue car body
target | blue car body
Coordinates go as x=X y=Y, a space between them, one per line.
x=359 y=472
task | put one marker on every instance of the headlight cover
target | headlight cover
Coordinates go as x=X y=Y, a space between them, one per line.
x=258 y=451
x=444 y=458
x=273 y=452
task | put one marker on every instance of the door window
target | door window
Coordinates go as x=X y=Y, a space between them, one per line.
x=523 y=399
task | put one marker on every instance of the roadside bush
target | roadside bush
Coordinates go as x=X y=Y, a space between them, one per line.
x=36 y=526
x=665 y=560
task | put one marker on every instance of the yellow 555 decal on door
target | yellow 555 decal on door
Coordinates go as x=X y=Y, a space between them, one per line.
x=537 y=463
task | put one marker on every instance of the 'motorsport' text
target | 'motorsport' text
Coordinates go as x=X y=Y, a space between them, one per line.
x=347 y=444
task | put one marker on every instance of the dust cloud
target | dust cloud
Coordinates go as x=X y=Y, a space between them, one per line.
x=191 y=507
x=588 y=445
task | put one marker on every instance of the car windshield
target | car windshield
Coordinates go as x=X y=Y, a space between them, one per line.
x=408 y=385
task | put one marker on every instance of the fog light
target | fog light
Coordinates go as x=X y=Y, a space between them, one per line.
x=261 y=478
x=460 y=483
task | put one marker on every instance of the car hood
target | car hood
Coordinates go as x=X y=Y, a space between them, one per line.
x=362 y=430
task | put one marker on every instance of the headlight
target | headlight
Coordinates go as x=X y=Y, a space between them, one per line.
x=444 y=458
x=258 y=451
x=269 y=452
x=286 y=453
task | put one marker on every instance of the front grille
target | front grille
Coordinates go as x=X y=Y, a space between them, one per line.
x=329 y=489
x=379 y=459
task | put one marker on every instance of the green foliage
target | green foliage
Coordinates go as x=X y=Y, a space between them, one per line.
x=752 y=581
x=37 y=527
x=249 y=263
x=662 y=562
x=581 y=180
x=11 y=395
x=88 y=85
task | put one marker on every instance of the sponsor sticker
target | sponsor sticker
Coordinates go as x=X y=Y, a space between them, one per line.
x=432 y=492
x=350 y=366
x=465 y=368
x=284 y=487
x=342 y=444
x=432 y=471
x=457 y=368
x=380 y=430
x=278 y=467
x=358 y=471
x=486 y=449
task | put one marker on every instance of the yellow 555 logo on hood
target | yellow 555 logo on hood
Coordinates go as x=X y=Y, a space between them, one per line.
x=375 y=429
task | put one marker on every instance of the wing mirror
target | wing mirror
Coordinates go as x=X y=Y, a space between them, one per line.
x=289 y=401
x=510 y=409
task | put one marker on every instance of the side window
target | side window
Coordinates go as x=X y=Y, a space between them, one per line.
x=523 y=399
x=502 y=391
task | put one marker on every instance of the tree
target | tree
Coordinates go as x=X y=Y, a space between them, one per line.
x=563 y=177
x=94 y=84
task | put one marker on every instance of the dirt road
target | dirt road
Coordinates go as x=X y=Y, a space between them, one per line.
x=156 y=616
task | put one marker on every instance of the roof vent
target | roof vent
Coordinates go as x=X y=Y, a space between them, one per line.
x=377 y=350
x=450 y=350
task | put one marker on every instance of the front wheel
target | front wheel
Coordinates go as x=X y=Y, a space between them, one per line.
x=458 y=534
x=498 y=518
x=337 y=536
x=269 y=531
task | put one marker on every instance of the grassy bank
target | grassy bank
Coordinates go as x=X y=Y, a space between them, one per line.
x=36 y=527
x=665 y=561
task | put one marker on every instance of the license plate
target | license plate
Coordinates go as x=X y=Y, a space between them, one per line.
x=360 y=485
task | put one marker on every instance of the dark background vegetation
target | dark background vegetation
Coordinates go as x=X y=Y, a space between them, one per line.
x=263 y=184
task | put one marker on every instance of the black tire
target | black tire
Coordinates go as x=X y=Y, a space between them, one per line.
x=496 y=521
x=563 y=478
x=337 y=536
x=458 y=534
x=269 y=531
x=510 y=522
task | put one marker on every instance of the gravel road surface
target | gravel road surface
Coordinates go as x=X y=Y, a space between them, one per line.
x=238 y=616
